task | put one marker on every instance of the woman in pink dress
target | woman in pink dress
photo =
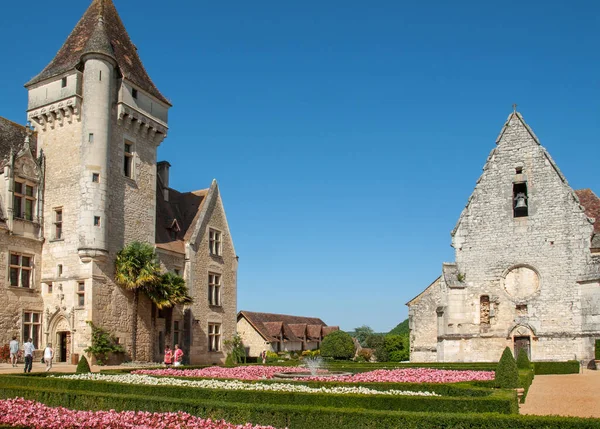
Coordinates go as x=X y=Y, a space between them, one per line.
x=168 y=356
x=178 y=355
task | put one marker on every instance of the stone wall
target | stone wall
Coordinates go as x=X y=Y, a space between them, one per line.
x=201 y=264
x=252 y=340
x=423 y=321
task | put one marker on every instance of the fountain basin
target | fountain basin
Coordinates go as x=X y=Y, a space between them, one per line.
x=307 y=374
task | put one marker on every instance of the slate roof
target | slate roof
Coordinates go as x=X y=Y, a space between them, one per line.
x=12 y=135
x=591 y=205
x=184 y=208
x=270 y=326
x=101 y=30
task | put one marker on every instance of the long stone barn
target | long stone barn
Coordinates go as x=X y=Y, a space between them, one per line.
x=527 y=265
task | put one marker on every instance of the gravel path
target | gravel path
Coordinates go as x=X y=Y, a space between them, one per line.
x=566 y=395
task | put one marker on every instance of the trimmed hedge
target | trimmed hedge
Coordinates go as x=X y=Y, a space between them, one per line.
x=507 y=374
x=525 y=380
x=294 y=417
x=597 y=350
x=568 y=367
x=498 y=401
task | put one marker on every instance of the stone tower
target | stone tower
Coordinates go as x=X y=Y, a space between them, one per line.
x=99 y=119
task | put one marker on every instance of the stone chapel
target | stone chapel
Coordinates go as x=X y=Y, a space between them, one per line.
x=527 y=267
x=82 y=182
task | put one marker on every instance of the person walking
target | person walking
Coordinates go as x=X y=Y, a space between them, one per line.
x=168 y=356
x=14 y=350
x=48 y=356
x=178 y=355
x=29 y=348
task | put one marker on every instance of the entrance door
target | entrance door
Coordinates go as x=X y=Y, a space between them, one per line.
x=62 y=346
x=522 y=343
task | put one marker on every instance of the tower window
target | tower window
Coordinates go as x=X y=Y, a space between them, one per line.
x=63 y=82
x=128 y=160
x=95 y=177
x=96 y=220
x=134 y=92
x=58 y=224
x=91 y=137
x=520 y=200
x=59 y=270
x=100 y=75
x=81 y=294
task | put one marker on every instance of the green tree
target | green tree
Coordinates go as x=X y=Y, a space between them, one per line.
x=507 y=374
x=138 y=270
x=396 y=347
x=523 y=360
x=362 y=333
x=338 y=345
x=401 y=329
x=236 y=353
x=83 y=367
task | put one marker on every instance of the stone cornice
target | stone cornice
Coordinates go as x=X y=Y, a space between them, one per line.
x=139 y=123
x=56 y=113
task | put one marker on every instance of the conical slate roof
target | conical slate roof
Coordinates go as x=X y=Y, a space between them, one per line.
x=101 y=30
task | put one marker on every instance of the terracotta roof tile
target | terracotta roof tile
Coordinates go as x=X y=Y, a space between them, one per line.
x=591 y=205
x=270 y=325
x=101 y=30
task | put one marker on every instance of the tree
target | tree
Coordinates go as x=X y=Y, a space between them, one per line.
x=338 y=345
x=396 y=347
x=362 y=333
x=507 y=374
x=83 y=367
x=137 y=270
x=523 y=360
x=401 y=329
x=236 y=353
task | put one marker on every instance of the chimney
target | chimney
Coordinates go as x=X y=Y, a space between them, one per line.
x=162 y=170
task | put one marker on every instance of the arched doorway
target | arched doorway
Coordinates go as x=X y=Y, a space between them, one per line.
x=521 y=337
x=60 y=335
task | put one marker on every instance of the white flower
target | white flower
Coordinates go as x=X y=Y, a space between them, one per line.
x=238 y=385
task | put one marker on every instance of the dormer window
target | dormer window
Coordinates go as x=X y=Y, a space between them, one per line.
x=520 y=200
x=23 y=200
x=63 y=82
x=134 y=93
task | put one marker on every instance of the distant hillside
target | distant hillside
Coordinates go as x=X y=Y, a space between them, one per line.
x=401 y=329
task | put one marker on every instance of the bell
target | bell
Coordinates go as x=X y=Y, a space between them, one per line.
x=521 y=203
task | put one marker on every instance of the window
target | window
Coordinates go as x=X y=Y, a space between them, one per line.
x=59 y=270
x=484 y=317
x=49 y=288
x=214 y=337
x=91 y=138
x=32 y=326
x=58 y=233
x=214 y=238
x=128 y=160
x=96 y=220
x=520 y=205
x=63 y=82
x=95 y=177
x=20 y=270
x=175 y=333
x=81 y=294
x=214 y=289
x=24 y=200
x=134 y=92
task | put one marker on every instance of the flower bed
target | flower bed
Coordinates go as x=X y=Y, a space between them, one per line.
x=238 y=385
x=404 y=375
x=21 y=412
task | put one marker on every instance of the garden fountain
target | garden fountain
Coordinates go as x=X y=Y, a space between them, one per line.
x=315 y=369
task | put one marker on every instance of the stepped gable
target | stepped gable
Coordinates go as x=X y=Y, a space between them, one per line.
x=175 y=219
x=12 y=135
x=101 y=30
x=591 y=205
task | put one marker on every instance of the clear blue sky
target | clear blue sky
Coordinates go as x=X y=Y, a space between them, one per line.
x=346 y=136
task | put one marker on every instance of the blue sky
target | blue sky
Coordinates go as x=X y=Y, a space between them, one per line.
x=346 y=136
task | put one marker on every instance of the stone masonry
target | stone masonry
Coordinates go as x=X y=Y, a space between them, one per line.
x=524 y=277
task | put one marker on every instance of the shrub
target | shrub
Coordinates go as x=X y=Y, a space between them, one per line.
x=272 y=357
x=523 y=361
x=364 y=355
x=236 y=353
x=525 y=380
x=5 y=353
x=597 y=351
x=338 y=345
x=507 y=374
x=103 y=343
x=83 y=366
x=396 y=348
x=568 y=367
